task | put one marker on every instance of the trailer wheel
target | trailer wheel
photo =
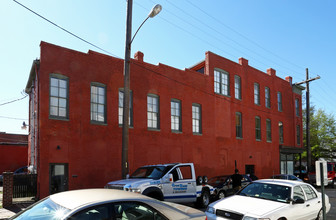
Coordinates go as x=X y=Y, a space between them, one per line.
x=204 y=200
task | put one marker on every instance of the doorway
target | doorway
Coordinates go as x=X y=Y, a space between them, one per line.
x=58 y=177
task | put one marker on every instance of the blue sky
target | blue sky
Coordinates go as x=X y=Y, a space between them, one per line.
x=288 y=36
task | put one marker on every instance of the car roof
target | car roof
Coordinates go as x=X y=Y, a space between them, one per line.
x=289 y=183
x=85 y=197
x=76 y=198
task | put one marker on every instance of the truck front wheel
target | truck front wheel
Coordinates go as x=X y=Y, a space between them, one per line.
x=204 y=200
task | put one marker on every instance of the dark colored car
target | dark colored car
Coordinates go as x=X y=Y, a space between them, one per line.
x=223 y=185
x=286 y=177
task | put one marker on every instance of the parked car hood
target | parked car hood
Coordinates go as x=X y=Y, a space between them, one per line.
x=248 y=205
x=131 y=181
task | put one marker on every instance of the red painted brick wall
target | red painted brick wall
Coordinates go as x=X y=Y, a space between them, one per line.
x=13 y=151
x=93 y=152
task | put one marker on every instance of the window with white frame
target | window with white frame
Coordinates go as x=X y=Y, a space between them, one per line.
x=175 y=118
x=257 y=128
x=281 y=133
x=238 y=87
x=153 y=116
x=268 y=130
x=222 y=82
x=279 y=102
x=98 y=102
x=196 y=118
x=121 y=109
x=267 y=97
x=256 y=94
x=239 y=127
x=58 y=103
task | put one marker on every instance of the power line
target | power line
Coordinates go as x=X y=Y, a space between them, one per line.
x=243 y=36
x=63 y=29
x=14 y=100
x=222 y=35
x=20 y=119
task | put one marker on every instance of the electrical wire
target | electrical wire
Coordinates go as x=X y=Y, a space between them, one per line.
x=63 y=29
x=20 y=119
x=13 y=100
x=243 y=36
x=190 y=33
x=222 y=35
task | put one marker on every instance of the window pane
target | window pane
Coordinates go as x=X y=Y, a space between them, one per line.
x=53 y=111
x=53 y=101
x=62 y=112
x=62 y=84
x=54 y=91
x=101 y=99
x=62 y=103
x=53 y=82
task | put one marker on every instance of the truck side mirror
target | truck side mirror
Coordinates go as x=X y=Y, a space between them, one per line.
x=170 y=178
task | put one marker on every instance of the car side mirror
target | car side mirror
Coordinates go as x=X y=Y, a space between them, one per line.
x=127 y=176
x=298 y=201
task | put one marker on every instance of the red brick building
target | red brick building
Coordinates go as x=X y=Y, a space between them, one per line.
x=13 y=151
x=212 y=114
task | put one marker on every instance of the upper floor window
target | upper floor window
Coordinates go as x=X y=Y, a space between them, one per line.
x=222 y=82
x=281 y=138
x=239 y=127
x=297 y=108
x=238 y=87
x=267 y=97
x=153 y=116
x=121 y=109
x=268 y=130
x=257 y=128
x=279 y=102
x=98 y=102
x=256 y=94
x=175 y=109
x=59 y=96
x=298 y=135
x=196 y=118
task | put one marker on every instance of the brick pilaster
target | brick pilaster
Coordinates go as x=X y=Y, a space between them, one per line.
x=7 y=197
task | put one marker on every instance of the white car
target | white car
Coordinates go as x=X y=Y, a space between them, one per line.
x=101 y=204
x=271 y=199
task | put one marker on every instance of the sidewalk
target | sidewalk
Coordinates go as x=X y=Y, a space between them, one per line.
x=6 y=213
x=19 y=204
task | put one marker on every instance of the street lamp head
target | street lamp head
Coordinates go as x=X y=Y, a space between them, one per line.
x=155 y=10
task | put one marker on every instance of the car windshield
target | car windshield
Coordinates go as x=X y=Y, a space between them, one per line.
x=46 y=210
x=150 y=172
x=267 y=191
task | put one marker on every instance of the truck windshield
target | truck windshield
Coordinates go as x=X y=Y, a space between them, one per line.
x=151 y=172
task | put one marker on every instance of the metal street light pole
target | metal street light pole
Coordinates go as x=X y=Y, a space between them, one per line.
x=125 y=127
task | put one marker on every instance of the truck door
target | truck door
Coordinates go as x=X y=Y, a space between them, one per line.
x=183 y=187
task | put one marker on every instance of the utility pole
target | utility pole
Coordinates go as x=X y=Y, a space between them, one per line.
x=308 y=118
x=125 y=127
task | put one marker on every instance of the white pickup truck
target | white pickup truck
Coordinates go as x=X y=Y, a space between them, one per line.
x=170 y=182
